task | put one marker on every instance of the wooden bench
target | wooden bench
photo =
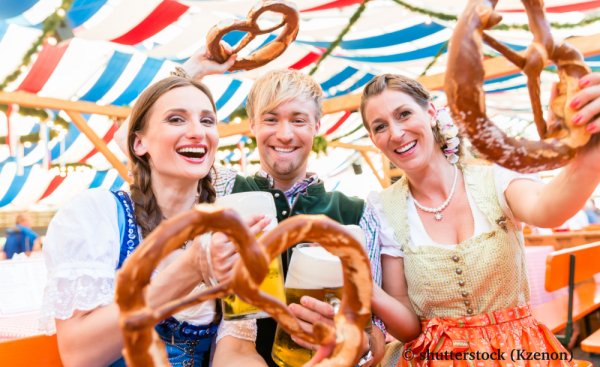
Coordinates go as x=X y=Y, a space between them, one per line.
x=573 y=268
x=561 y=240
x=39 y=350
x=591 y=344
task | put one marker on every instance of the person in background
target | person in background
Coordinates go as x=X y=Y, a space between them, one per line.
x=592 y=212
x=21 y=238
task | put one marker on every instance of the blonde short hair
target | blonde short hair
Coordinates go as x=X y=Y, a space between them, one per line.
x=279 y=86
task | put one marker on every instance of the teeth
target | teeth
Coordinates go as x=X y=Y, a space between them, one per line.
x=406 y=147
x=283 y=150
x=192 y=150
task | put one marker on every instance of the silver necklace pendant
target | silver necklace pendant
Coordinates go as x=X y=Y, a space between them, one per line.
x=438 y=216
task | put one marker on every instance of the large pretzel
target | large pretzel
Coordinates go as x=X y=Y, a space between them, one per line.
x=464 y=88
x=143 y=347
x=266 y=53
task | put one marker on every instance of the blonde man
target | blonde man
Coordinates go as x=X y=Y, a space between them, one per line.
x=284 y=109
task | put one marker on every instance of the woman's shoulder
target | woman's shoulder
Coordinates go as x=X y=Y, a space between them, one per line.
x=89 y=196
x=96 y=204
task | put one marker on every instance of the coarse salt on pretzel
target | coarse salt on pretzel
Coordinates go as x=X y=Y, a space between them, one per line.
x=466 y=97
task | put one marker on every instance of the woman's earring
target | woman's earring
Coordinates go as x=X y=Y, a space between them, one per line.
x=433 y=122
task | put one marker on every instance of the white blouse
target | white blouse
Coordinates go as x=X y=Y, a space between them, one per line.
x=82 y=250
x=418 y=234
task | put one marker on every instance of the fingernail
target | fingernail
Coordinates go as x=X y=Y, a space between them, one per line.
x=584 y=82
x=574 y=103
x=577 y=119
x=590 y=128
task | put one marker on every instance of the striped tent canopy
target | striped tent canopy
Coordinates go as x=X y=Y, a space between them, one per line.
x=108 y=51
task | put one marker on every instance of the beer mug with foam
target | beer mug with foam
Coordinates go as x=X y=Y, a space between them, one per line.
x=248 y=204
x=314 y=272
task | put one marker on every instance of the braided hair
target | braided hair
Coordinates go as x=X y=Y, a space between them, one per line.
x=147 y=211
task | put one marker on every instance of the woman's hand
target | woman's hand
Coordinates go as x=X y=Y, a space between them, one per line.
x=587 y=103
x=221 y=254
x=202 y=64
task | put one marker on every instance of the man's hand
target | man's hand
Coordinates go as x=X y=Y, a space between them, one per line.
x=309 y=312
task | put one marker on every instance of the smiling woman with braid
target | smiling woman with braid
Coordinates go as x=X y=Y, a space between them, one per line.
x=172 y=140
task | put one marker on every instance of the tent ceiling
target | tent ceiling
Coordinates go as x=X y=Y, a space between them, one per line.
x=121 y=46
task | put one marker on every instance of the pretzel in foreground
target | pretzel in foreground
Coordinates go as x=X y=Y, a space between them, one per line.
x=142 y=345
x=266 y=53
x=466 y=97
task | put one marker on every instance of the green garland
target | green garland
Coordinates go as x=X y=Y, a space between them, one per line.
x=49 y=27
x=500 y=27
x=68 y=168
x=39 y=113
x=73 y=165
x=339 y=38
x=30 y=138
x=319 y=145
x=59 y=123
x=439 y=53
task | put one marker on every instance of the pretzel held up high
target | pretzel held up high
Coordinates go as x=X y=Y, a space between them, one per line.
x=266 y=53
x=142 y=345
x=466 y=97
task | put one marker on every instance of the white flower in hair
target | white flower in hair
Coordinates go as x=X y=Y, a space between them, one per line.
x=450 y=132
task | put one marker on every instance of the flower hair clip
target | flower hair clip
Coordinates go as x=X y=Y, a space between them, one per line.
x=450 y=133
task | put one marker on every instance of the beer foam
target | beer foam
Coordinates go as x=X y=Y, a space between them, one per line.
x=247 y=204
x=313 y=267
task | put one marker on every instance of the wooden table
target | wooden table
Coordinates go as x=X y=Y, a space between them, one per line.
x=560 y=240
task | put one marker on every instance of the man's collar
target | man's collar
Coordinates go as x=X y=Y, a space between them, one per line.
x=310 y=179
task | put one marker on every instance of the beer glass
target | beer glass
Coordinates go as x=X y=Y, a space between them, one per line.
x=303 y=278
x=247 y=204
x=314 y=272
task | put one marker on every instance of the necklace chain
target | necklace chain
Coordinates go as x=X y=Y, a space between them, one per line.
x=438 y=211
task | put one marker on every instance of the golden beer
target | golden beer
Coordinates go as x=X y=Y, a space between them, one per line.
x=286 y=353
x=312 y=272
x=236 y=309
x=247 y=204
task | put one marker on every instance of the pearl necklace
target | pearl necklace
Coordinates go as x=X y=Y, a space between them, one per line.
x=437 y=212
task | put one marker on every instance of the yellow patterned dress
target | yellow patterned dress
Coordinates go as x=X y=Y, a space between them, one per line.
x=472 y=298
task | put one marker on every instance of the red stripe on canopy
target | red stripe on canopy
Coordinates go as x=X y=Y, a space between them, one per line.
x=43 y=67
x=306 y=60
x=333 y=4
x=165 y=13
x=56 y=181
x=339 y=123
x=582 y=6
x=107 y=138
